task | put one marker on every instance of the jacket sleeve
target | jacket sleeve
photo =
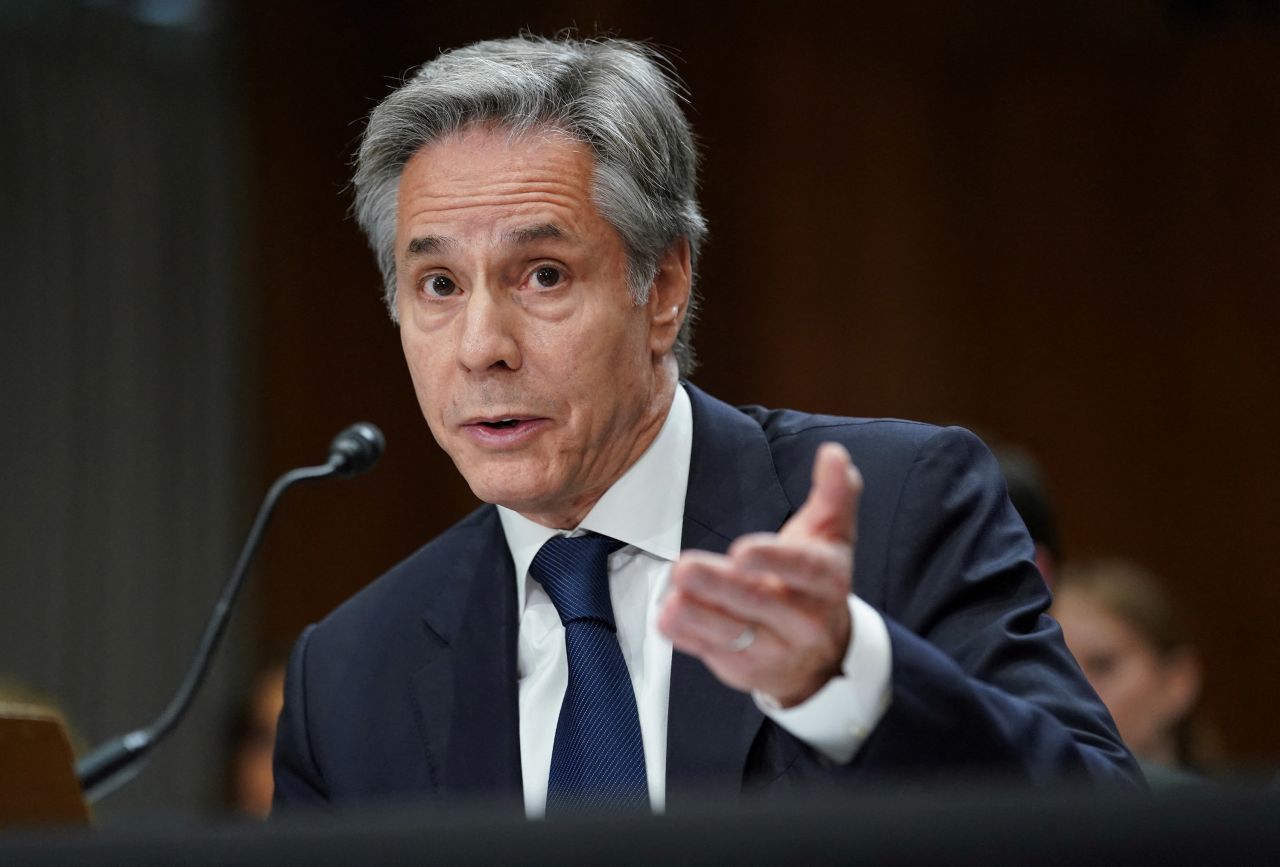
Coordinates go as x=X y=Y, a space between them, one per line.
x=982 y=683
x=298 y=781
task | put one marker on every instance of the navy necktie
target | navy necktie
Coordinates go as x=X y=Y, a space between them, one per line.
x=598 y=757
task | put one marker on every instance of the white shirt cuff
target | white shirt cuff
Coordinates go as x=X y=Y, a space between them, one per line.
x=838 y=718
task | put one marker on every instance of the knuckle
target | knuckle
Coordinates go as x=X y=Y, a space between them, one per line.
x=744 y=547
x=754 y=594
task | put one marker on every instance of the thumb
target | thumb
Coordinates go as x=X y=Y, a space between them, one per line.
x=831 y=510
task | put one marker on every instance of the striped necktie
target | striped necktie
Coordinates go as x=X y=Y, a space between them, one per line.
x=598 y=758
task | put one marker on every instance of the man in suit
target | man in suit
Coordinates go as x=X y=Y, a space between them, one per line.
x=667 y=597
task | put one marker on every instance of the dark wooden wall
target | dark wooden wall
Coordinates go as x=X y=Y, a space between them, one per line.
x=1059 y=222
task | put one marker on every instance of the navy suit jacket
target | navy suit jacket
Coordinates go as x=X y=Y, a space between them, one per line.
x=408 y=690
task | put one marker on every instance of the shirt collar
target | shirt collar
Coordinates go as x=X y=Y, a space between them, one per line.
x=644 y=508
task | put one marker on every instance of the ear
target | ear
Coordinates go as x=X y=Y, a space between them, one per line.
x=669 y=297
x=1182 y=672
x=1044 y=562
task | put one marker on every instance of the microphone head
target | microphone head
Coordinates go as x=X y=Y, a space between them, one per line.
x=356 y=449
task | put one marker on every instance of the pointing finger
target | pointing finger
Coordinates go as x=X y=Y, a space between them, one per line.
x=818 y=569
x=831 y=509
x=752 y=597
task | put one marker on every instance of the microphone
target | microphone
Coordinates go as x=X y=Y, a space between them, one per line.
x=357 y=449
x=111 y=765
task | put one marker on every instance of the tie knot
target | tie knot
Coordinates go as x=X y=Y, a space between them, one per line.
x=575 y=573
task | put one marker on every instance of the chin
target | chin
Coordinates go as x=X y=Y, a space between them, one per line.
x=501 y=489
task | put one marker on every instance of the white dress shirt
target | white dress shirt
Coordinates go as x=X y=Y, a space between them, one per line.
x=644 y=509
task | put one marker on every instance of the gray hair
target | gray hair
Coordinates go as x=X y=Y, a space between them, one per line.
x=618 y=97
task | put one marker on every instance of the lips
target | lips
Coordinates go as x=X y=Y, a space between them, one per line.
x=503 y=431
x=499 y=422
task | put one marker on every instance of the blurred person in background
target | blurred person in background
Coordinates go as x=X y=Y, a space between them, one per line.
x=250 y=784
x=1122 y=628
x=1029 y=493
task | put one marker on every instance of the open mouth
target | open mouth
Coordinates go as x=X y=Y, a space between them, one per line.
x=504 y=431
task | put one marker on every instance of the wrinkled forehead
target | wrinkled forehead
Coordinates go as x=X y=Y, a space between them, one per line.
x=484 y=185
x=483 y=143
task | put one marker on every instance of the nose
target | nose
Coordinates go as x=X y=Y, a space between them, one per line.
x=488 y=339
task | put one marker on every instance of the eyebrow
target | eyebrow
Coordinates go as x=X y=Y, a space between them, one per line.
x=541 y=232
x=431 y=244
x=427 y=245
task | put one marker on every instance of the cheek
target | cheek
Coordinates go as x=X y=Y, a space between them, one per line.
x=614 y=358
x=419 y=374
x=428 y=372
x=1129 y=690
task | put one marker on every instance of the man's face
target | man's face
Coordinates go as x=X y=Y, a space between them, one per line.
x=534 y=368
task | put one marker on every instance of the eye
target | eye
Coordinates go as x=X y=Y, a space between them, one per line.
x=547 y=276
x=439 y=286
x=1101 y=664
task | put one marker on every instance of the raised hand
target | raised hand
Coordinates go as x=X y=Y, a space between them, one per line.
x=772 y=614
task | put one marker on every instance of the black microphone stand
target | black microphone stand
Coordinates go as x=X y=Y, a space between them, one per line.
x=114 y=763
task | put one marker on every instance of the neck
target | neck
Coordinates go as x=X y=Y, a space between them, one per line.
x=1163 y=751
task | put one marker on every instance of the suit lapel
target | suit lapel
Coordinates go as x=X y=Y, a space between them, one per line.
x=733 y=489
x=465 y=692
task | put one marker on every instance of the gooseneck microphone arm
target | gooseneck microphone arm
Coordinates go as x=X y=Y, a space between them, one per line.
x=114 y=763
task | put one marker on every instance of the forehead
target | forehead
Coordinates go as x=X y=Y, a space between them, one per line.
x=1088 y=622
x=482 y=180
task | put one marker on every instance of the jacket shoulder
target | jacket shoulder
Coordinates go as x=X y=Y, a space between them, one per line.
x=883 y=449
x=782 y=425
x=395 y=600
